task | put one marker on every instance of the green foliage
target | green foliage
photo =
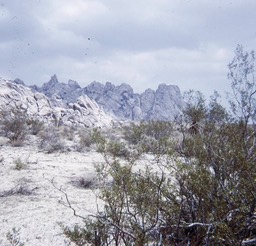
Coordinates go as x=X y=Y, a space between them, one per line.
x=117 y=149
x=195 y=107
x=133 y=133
x=16 y=124
x=98 y=138
x=204 y=190
x=128 y=215
x=153 y=136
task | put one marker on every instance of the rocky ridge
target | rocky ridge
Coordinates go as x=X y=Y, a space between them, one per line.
x=120 y=101
x=83 y=111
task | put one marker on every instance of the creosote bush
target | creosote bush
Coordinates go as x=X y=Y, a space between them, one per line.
x=85 y=139
x=203 y=192
x=16 y=124
x=150 y=137
x=52 y=141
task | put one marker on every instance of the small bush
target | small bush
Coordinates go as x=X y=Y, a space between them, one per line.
x=14 y=125
x=19 y=164
x=99 y=140
x=85 y=140
x=67 y=133
x=35 y=125
x=84 y=182
x=14 y=237
x=51 y=141
x=19 y=189
x=117 y=149
x=133 y=133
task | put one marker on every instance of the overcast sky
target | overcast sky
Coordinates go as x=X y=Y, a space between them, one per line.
x=140 y=42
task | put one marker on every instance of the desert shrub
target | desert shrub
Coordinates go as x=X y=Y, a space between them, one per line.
x=35 y=126
x=128 y=217
x=14 y=125
x=117 y=149
x=204 y=193
x=158 y=129
x=14 y=237
x=154 y=146
x=133 y=133
x=85 y=139
x=153 y=136
x=84 y=182
x=20 y=189
x=67 y=132
x=99 y=140
x=19 y=164
x=51 y=141
x=81 y=236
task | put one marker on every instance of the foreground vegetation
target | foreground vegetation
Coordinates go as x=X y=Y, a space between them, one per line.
x=199 y=184
x=204 y=191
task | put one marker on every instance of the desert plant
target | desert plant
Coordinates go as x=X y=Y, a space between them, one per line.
x=133 y=133
x=128 y=217
x=14 y=237
x=20 y=189
x=51 y=141
x=117 y=149
x=14 y=124
x=85 y=139
x=204 y=193
x=35 y=126
x=67 y=132
x=153 y=136
x=19 y=164
x=99 y=140
x=84 y=182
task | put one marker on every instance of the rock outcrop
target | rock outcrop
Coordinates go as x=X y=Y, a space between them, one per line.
x=119 y=101
x=83 y=111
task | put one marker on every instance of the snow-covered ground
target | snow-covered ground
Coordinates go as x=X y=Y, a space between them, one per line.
x=38 y=215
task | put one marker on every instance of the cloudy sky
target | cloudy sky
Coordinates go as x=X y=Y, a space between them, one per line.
x=140 y=42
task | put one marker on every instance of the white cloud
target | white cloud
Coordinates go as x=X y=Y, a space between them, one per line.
x=144 y=43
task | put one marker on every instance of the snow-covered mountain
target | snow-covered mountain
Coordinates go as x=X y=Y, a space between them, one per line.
x=120 y=101
x=82 y=111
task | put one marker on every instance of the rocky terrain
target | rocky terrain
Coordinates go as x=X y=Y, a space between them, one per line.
x=120 y=101
x=94 y=105
x=36 y=168
x=83 y=111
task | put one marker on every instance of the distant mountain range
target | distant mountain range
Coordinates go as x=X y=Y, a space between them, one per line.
x=120 y=101
x=94 y=105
